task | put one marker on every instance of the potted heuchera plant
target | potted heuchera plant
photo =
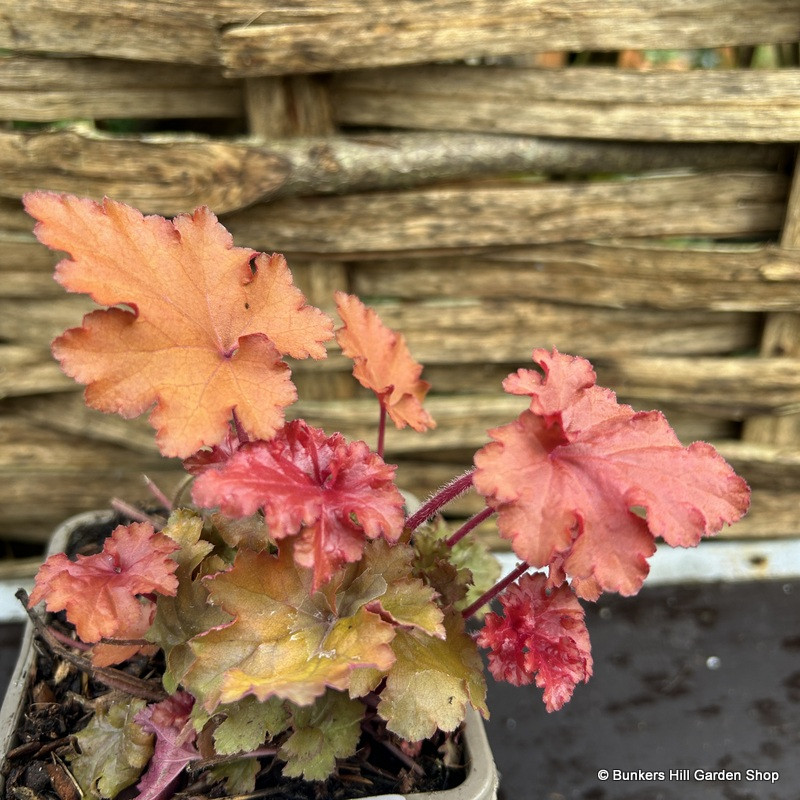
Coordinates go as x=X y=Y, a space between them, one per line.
x=296 y=605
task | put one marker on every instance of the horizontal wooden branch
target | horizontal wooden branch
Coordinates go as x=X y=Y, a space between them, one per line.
x=54 y=89
x=183 y=172
x=609 y=275
x=594 y=103
x=254 y=38
x=515 y=213
x=383 y=32
x=167 y=175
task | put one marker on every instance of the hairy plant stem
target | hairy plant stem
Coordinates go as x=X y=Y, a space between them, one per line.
x=113 y=678
x=469 y=525
x=490 y=594
x=447 y=493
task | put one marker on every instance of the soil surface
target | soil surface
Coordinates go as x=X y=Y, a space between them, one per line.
x=687 y=678
x=693 y=678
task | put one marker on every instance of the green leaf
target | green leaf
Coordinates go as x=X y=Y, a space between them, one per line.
x=114 y=750
x=462 y=573
x=327 y=730
x=432 y=682
x=248 y=723
x=188 y=613
x=239 y=776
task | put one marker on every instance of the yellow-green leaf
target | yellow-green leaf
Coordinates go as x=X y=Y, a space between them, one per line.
x=239 y=776
x=283 y=641
x=432 y=682
x=406 y=600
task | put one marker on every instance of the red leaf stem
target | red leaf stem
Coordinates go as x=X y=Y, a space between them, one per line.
x=490 y=594
x=447 y=493
x=469 y=525
x=381 y=426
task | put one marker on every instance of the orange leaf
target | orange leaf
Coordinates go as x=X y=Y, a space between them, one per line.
x=383 y=363
x=205 y=326
x=99 y=592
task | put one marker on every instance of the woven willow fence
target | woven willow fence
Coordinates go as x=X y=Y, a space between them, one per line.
x=422 y=155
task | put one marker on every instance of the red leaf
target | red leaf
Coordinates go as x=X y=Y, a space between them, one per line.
x=175 y=747
x=383 y=363
x=541 y=635
x=334 y=494
x=213 y=457
x=566 y=476
x=99 y=592
x=204 y=326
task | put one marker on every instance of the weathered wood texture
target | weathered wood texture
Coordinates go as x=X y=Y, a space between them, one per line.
x=596 y=103
x=252 y=39
x=645 y=219
x=42 y=89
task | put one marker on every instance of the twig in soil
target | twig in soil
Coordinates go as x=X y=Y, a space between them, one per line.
x=113 y=678
x=36 y=749
x=215 y=761
x=394 y=750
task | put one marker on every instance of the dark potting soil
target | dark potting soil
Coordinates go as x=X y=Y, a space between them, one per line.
x=688 y=681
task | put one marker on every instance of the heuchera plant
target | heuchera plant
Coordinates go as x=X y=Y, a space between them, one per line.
x=296 y=602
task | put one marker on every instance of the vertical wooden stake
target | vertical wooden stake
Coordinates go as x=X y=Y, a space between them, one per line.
x=781 y=337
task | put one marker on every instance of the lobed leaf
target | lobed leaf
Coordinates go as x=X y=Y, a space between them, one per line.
x=284 y=641
x=175 y=746
x=460 y=573
x=99 y=592
x=330 y=494
x=541 y=636
x=248 y=722
x=566 y=475
x=327 y=730
x=238 y=776
x=432 y=682
x=383 y=363
x=204 y=328
x=114 y=748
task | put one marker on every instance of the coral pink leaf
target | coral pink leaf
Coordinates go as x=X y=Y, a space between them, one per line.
x=99 y=592
x=104 y=654
x=541 y=635
x=383 y=363
x=333 y=493
x=568 y=476
x=175 y=747
x=203 y=325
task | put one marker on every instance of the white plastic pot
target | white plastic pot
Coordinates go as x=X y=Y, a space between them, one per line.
x=480 y=783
